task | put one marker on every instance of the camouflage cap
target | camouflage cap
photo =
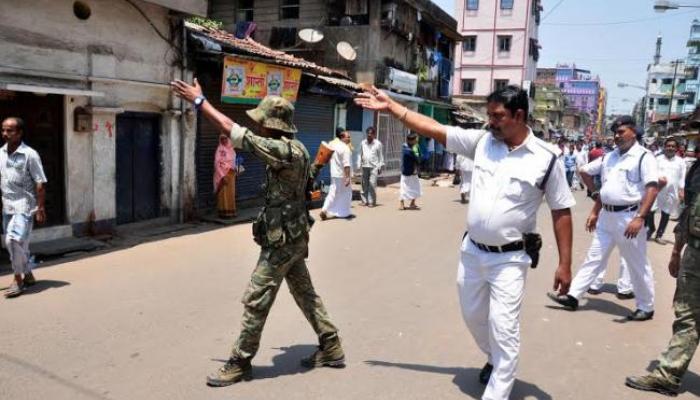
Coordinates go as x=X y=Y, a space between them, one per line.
x=274 y=112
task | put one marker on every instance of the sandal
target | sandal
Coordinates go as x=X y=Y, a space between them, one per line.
x=14 y=290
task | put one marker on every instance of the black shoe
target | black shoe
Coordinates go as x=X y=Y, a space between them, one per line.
x=565 y=300
x=594 y=292
x=652 y=383
x=485 y=374
x=640 y=315
x=625 y=296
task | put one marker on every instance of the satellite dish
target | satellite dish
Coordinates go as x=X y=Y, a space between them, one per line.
x=310 y=35
x=346 y=51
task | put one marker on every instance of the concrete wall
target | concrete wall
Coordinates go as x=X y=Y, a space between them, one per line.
x=115 y=52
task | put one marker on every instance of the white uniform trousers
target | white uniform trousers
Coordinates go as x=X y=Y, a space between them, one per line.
x=609 y=233
x=491 y=288
x=624 y=282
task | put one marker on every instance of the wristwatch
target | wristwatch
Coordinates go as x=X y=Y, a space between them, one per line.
x=198 y=101
x=638 y=215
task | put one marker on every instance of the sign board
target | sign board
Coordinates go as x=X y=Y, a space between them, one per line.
x=248 y=82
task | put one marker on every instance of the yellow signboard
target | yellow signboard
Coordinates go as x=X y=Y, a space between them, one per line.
x=248 y=82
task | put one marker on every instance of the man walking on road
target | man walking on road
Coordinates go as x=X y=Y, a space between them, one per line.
x=629 y=186
x=672 y=173
x=339 y=199
x=513 y=170
x=410 y=189
x=371 y=160
x=22 y=183
x=281 y=229
x=674 y=361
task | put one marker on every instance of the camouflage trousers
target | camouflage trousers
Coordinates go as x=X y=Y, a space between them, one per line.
x=674 y=362
x=274 y=266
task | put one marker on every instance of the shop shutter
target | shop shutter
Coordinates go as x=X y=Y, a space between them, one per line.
x=313 y=117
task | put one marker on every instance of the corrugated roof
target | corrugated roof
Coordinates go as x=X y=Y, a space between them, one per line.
x=252 y=47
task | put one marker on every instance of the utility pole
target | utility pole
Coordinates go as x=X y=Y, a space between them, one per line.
x=673 y=91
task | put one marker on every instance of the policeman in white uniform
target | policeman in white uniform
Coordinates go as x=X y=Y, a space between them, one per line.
x=629 y=187
x=513 y=171
x=672 y=173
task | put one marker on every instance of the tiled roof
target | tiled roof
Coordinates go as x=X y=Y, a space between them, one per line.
x=252 y=47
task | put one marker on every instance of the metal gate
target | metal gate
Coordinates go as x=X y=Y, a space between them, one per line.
x=391 y=133
x=138 y=167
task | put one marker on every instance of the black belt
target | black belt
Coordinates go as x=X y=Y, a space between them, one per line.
x=513 y=246
x=632 y=207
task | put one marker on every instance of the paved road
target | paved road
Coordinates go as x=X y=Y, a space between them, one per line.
x=150 y=322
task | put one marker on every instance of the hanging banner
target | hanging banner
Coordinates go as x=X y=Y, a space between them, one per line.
x=248 y=82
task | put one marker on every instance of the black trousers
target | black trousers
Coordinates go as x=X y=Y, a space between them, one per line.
x=651 y=226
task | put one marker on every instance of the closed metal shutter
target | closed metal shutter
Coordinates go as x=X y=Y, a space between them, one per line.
x=313 y=117
x=248 y=185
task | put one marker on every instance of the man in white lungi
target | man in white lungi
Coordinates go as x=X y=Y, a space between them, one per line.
x=339 y=198
x=410 y=189
x=629 y=177
x=671 y=171
x=513 y=171
x=466 y=166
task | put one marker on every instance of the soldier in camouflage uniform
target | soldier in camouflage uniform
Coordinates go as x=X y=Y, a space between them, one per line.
x=281 y=230
x=674 y=362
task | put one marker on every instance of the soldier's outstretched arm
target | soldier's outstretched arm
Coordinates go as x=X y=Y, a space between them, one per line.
x=375 y=99
x=189 y=93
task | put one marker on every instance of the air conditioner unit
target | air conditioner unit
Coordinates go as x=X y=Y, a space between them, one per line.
x=401 y=81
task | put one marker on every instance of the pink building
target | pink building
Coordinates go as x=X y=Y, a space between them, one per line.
x=500 y=47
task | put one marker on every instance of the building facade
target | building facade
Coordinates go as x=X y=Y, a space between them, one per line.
x=405 y=47
x=116 y=145
x=583 y=96
x=499 y=47
x=548 y=113
x=667 y=95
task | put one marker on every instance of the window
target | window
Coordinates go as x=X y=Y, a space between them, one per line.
x=472 y=4
x=690 y=97
x=680 y=102
x=651 y=103
x=244 y=10
x=507 y=4
x=289 y=9
x=499 y=84
x=653 y=80
x=469 y=44
x=534 y=49
x=504 y=43
x=681 y=81
x=666 y=81
x=663 y=102
x=468 y=86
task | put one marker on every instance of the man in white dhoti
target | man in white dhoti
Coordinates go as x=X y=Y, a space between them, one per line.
x=672 y=172
x=339 y=198
x=466 y=167
x=410 y=184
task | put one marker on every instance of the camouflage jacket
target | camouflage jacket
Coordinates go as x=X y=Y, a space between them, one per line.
x=689 y=222
x=284 y=217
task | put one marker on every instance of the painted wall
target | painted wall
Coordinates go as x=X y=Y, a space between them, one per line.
x=115 y=52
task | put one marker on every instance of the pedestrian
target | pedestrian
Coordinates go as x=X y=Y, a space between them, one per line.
x=466 y=167
x=371 y=160
x=672 y=177
x=410 y=189
x=570 y=165
x=513 y=171
x=674 y=361
x=22 y=182
x=690 y=156
x=629 y=187
x=281 y=230
x=581 y=160
x=225 y=178
x=339 y=199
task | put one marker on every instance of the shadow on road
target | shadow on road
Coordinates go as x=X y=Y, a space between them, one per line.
x=690 y=382
x=41 y=285
x=285 y=363
x=41 y=373
x=467 y=380
x=600 y=305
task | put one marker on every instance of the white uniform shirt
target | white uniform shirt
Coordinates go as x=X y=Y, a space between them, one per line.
x=342 y=157
x=581 y=157
x=620 y=175
x=19 y=174
x=505 y=184
x=371 y=155
x=673 y=170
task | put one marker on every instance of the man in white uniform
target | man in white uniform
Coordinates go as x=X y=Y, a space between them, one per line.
x=339 y=198
x=671 y=172
x=466 y=167
x=513 y=170
x=629 y=187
